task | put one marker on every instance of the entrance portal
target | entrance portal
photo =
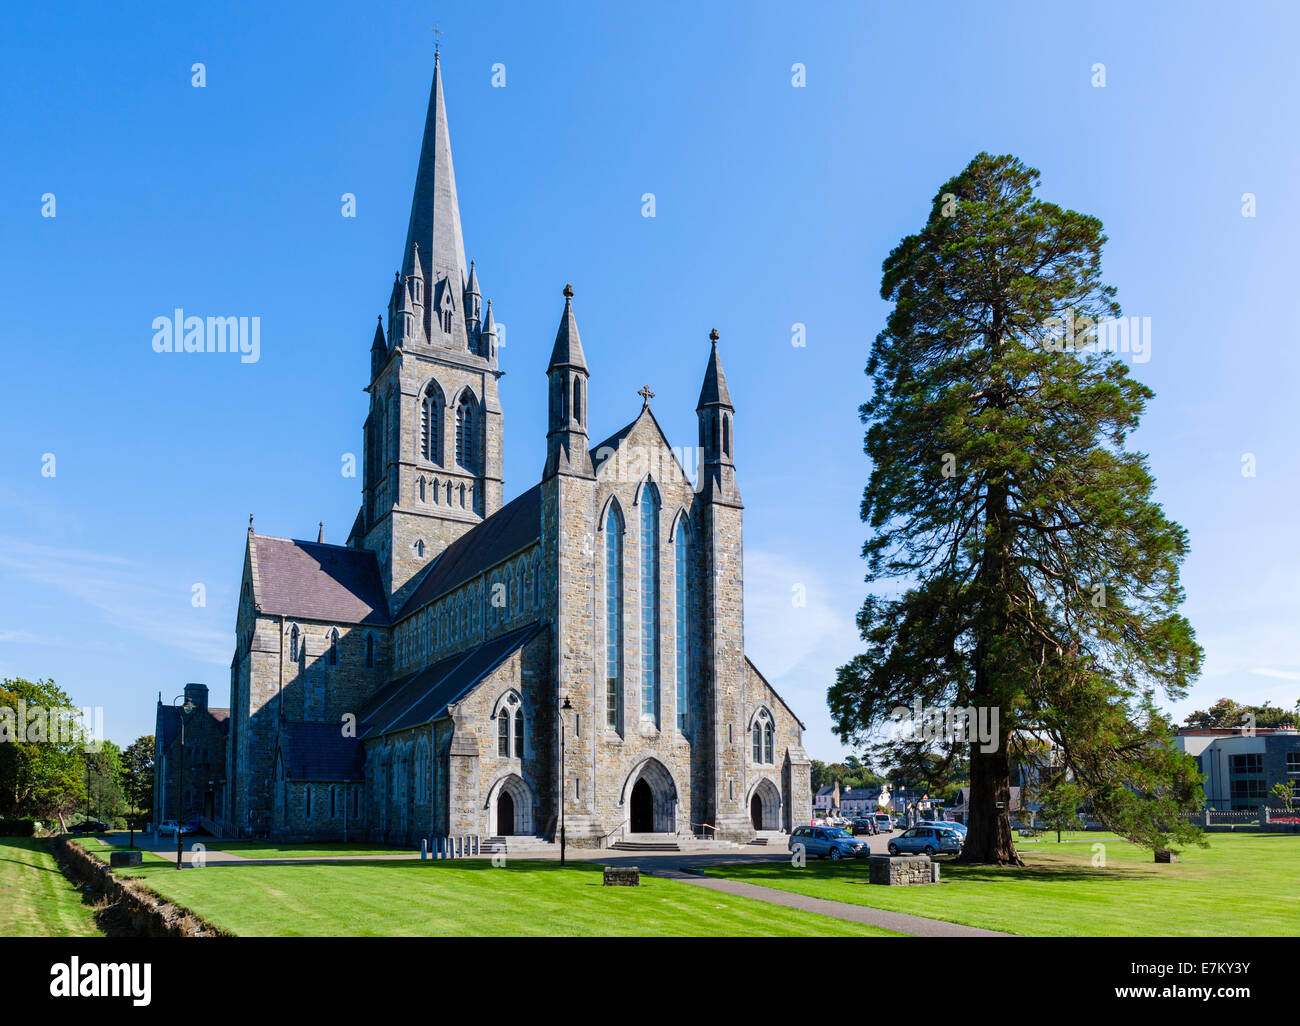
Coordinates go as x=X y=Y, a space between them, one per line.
x=643 y=809
x=505 y=815
x=756 y=812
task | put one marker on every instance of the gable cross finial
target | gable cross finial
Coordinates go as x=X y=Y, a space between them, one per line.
x=646 y=395
x=713 y=336
x=437 y=41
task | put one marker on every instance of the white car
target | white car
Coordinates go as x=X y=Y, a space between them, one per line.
x=169 y=828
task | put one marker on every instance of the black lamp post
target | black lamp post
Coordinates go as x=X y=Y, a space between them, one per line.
x=564 y=729
x=185 y=710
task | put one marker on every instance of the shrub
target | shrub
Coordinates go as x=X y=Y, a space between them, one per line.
x=17 y=828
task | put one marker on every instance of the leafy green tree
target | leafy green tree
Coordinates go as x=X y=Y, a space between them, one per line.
x=107 y=796
x=41 y=771
x=137 y=778
x=1059 y=800
x=817 y=775
x=1227 y=713
x=1039 y=576
x=1285 y=794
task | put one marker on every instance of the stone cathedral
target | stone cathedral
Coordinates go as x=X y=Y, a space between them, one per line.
x=469 y=666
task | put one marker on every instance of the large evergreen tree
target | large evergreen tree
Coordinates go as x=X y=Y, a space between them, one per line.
x=1037 y=575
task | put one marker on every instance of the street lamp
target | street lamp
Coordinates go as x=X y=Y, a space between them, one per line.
x=564 y=728
x=185 y=710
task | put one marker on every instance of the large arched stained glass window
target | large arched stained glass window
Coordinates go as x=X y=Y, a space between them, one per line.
x=613 y=620
x=682 y=577
x=649 y=505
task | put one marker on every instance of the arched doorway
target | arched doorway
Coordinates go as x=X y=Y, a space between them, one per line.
x=649 y=799
x=643 y=808
x=508 y=807
x=505 y=815
x=765 y=806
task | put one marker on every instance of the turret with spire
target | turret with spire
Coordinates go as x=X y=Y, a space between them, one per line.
x=716 y=416
x=566 y=375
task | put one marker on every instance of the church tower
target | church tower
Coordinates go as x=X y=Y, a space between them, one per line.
x=720 y=519
x=433 y=436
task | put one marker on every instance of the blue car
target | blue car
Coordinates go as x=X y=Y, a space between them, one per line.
x=831 y=842
x=926 y=840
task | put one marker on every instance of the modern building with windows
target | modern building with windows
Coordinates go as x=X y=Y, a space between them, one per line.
x=421 y=680
x=1241 y=768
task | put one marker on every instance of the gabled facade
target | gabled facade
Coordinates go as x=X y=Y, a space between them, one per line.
x=420 y=681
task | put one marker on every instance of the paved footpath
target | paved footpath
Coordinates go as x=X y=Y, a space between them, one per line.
x=899 y=922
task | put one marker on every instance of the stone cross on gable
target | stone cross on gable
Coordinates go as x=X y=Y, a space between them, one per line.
x=646 y=395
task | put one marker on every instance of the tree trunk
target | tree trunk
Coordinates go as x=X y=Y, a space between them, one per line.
x=988 y=838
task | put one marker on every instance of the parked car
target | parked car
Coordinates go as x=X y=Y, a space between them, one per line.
x=89 y=826
x=864 y=825
x=168 y=828
x=943 y=824
x=884 y=822
x=830 y=842
x=926 y=840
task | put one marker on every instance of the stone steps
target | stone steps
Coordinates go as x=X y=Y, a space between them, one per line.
x=645 y=846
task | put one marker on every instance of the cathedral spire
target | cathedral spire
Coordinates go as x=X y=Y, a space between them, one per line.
x=435 y=224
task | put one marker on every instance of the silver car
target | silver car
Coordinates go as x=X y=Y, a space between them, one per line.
x=926 y=840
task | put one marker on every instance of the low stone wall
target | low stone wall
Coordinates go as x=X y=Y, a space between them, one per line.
x=135 y=910
x=901 y=870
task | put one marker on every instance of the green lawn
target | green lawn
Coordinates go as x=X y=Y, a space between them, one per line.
x=247 y=849
x=468 y=898
x=36 y=899
x=1242 y=885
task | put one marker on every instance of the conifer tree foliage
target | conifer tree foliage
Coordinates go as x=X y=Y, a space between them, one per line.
x=1018 y=559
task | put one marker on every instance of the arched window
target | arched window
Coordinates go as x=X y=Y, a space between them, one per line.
x=370 y=651
x=430 y=425
x=649 y=505
x=682 y=579
x=419 y=547
x=613 y=620
x=510 y=727
x=465 y=449
x=334 y=647
x=293 y=643
x=763 y=737
x=726 y=435
x=577 y=399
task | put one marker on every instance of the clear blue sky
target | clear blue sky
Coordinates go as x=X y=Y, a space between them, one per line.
x=775 y=205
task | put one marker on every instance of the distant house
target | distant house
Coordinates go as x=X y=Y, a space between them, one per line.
x=961 y=811
x=827 y=798
x=859 y=801
x=1240 y=769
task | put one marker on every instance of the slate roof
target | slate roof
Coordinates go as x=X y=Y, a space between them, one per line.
x=169 y=721
x=514 y=526
x=423 y=696
x=319 y=751
x=319 y=582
